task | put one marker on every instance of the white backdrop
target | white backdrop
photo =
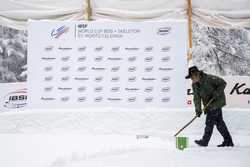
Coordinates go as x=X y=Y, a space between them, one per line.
x=107 y=64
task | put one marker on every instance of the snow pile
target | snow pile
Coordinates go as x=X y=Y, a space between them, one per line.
x=107 y=137
x=79 y=150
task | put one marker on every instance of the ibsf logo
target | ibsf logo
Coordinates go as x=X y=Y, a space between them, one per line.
x=56 y=33
x=82 y=25
x=17 y=99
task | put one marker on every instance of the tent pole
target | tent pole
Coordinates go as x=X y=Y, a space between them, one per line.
x=88 y=10
x=190 y=29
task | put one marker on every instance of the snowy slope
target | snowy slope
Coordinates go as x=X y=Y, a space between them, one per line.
x=107 y=138
x=115 y=121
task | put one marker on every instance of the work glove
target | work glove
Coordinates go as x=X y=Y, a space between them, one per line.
x=198 y=113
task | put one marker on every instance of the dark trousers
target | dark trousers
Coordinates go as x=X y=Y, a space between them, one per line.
x=214 y=117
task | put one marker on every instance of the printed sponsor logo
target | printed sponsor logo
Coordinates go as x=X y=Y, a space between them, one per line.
x=48 y=79
x=99 y=99
x=65 y=68
x=165 y=69
x=65 y=58
x=164 y=31
x=115 y=89
x=81 y=89
x=132 y=79
x=132 y=69
x=98 y=69
x=165 y=59
x=64 y=88
x=132 y=49
x=114 y=58
x=149 y=89
x=65 y=48
x=82 y=59
x=98 y=49
x=65 y=79
x=148 y=79
x=165 y=89
x=56 y=33
x=65 y=99
x=132 y=58
x=48 y=58
x=165 y=79
x=149 y=59
x=98 y=89
x=148 y=99
x=132 y=89
x=82 y=69
x=115 y=69
x=149 y=49
x=114 y=99
x=115 y=79
x=81 y=99
x=240 y=89
x=131 y=99
x=165 y=49
x=165 y=99
x=98 y=58
x=48 y=98
x=48 y=68
x=81 y=78
x=98 y=79
x=49 y=48
x=16 y=99
x=149 y=69
x=48 y=89
x=115 y=49
x=82 y=49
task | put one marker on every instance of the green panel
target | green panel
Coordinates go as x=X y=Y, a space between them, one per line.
x=181 y=143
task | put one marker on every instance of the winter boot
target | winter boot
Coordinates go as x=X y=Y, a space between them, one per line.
x=228 y=143
x=201 y=143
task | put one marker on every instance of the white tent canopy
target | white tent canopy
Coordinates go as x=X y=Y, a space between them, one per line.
x=218 y=13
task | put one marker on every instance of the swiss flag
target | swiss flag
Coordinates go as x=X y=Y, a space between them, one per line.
x=189 y=102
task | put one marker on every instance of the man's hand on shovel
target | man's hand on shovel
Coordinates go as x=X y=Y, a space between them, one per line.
x=197 y=115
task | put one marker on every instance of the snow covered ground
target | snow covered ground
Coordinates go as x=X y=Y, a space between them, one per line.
x=95 y=138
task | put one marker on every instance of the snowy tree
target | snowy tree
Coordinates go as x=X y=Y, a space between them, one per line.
x=222 y=51
x=13 y=55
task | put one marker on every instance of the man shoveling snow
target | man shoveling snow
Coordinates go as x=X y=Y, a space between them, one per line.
x=208 y=88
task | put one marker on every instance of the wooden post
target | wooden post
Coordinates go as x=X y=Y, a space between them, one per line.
x=88 y=10
x=190 y=29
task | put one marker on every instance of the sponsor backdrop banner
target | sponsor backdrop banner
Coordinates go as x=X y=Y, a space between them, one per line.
x=107 y=64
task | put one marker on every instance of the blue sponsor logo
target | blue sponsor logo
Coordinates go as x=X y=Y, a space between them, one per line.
x=56 y=33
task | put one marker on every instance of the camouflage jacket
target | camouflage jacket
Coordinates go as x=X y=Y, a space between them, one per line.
x=209 y=87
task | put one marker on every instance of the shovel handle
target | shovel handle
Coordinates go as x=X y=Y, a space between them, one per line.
x=193 y=119
x=185 y=126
